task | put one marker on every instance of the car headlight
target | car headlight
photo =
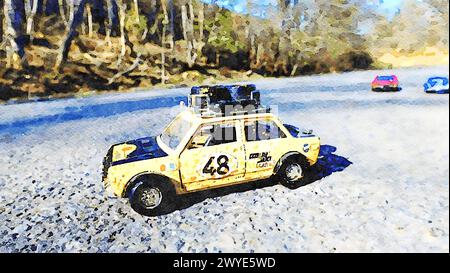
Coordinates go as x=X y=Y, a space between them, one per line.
x=315 y=146
x=122 y=151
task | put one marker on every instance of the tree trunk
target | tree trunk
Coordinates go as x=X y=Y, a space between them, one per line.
x=62 y=13
x=122 y=12
x=27 y=6
x=112 y=21
x=14 y=38
x=30 y=22
x=251 y=36
x=2 y=40
x=89 y=18
x=184 y=24
x=172 y=22
x=201 y=19
x=82 y=25
x=75 y=20
x=188 y=33
x=294 y=70
x=109 y=23
x=163 y=42
x=71 y=12
x=136 y=10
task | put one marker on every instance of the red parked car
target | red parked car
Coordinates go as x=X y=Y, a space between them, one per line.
x=385 y=83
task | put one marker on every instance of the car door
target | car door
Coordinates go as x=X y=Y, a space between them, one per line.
x=213 y=157
x=264 y=145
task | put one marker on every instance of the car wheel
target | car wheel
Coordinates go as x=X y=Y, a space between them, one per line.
x=293 y=173
x=152 y=197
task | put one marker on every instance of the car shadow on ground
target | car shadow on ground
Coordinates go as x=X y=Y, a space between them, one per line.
x=398 y=89
x=327 y=164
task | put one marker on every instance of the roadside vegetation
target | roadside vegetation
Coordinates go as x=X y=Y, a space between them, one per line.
x=54 y=48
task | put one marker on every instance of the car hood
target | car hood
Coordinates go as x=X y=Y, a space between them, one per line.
x=297 y=132
x=146 y=148
x=383 y=82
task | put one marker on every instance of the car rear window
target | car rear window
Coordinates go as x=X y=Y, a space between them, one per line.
x=438 y=80
x=258 y=130
x=385 y=78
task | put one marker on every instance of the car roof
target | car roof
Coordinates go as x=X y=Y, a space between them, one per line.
x=197 y=89
x=196 y=117
x=438 y=78
x=386 y=76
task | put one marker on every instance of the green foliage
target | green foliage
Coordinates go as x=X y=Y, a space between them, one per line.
x=221 y=33
x=132 y=24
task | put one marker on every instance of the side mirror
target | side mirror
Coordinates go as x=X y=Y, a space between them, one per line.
x=199 y=101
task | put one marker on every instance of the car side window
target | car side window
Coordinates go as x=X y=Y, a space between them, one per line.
x=214 y=134
x=257 y=130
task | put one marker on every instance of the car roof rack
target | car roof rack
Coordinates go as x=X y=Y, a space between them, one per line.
x=226 y=100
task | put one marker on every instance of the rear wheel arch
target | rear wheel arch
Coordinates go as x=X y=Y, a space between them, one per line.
x=293 y=155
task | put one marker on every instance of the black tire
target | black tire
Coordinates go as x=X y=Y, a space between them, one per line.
x=288 y=180
x=152 y=196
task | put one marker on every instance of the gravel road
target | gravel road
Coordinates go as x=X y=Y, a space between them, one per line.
x=383 y=185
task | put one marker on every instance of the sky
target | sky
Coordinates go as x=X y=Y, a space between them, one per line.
x=388 y=7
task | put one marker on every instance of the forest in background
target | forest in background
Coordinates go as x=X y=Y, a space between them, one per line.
x=61 y=47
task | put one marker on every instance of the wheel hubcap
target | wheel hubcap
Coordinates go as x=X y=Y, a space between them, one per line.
x=294 y=172
x=151 y=197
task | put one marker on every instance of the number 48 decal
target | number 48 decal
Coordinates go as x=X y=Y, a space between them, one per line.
x=222 y=165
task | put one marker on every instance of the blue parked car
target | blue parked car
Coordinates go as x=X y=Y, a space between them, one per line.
x=436 y=85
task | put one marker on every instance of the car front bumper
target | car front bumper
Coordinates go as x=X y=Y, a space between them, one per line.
x=385 y=88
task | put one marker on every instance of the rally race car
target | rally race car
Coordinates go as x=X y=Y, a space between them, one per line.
x=385 y=83
x=205 y=147
x=437 y=85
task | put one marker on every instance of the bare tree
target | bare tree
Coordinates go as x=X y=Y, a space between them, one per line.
x=109 y=23
x=165 y=21
x=187 y=35
x=201 y=19
x=122 y=14
x=74 y=21
x=2 y=42
x=136 y=10
x=89 y=19
x=62 y=12
x=172 y=22
x=187 y=21
x=30 y=11
x=112 y=18
x=13 y=33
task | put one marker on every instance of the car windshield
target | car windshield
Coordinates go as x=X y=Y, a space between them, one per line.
x=438 y=80
x=175 y=132
x=385 y=78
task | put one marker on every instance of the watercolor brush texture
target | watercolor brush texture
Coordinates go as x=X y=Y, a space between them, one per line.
x=58 y=48
x=384 y=185
x=77 y=76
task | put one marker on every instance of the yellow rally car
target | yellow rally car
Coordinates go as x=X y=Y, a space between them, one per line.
x=198 y=152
